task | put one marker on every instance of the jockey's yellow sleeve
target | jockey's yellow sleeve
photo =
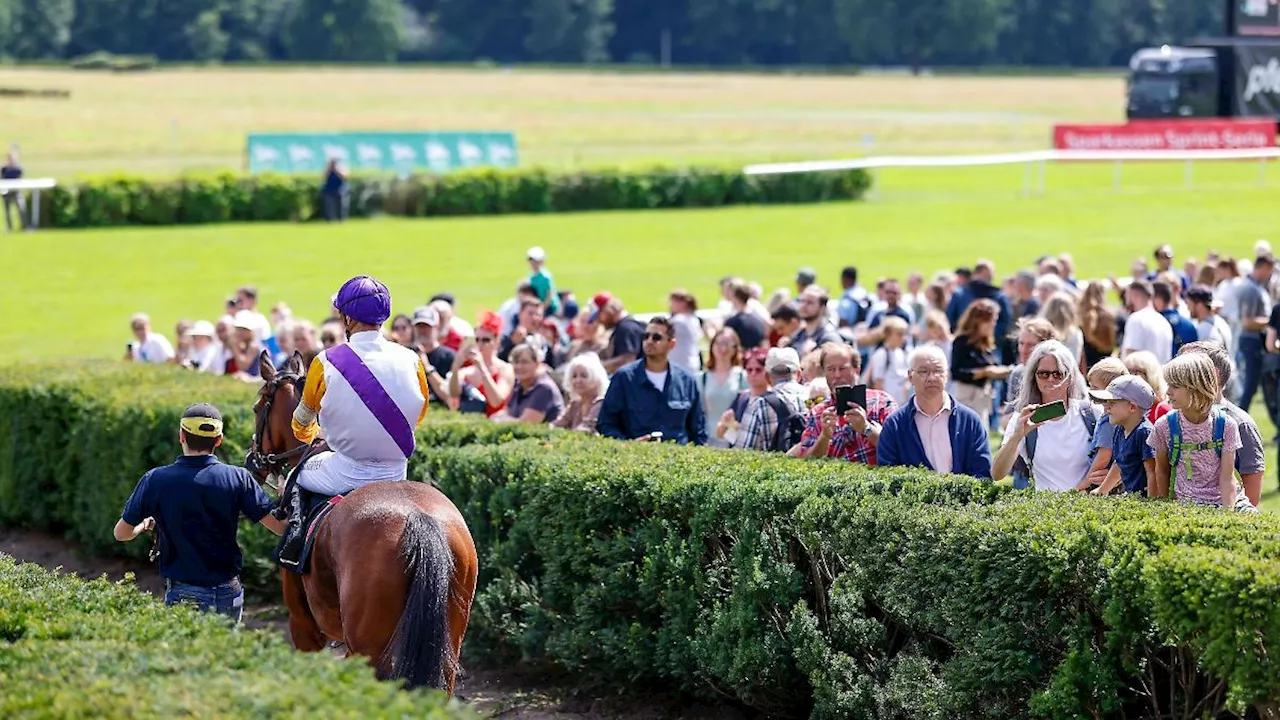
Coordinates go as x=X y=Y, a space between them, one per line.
x=305 y=427
x=426 y=390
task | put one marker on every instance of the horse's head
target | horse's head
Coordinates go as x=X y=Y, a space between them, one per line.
x=274 y=444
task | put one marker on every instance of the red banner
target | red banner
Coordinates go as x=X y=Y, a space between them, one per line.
x=1216 y=134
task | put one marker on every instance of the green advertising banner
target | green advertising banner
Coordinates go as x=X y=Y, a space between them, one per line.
x=403 y=153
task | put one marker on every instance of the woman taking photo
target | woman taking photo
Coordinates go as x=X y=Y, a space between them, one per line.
x=479 y=381
x=723 y=379
x=587 y=382
x=534 y=398
x=1059 y=456
x=974 y=363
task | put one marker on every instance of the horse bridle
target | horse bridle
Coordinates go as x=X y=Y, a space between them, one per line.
x=273 y=463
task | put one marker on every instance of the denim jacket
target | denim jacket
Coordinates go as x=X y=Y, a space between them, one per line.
x=634 y=407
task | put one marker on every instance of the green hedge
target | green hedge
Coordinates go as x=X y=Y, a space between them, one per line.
x=126 y=200
x=797 y=588
x=75 y=649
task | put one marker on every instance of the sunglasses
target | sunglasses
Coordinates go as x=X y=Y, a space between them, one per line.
x=484 y=340
x=755 y=368
x=655 y=337
x=1047 y=374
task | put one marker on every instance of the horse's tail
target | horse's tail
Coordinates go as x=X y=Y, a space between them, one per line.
x=420 y=647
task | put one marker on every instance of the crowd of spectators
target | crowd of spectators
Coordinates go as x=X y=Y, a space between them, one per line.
x=1141 y=384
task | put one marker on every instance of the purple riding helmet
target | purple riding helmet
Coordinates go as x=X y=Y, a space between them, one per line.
x=364 y=299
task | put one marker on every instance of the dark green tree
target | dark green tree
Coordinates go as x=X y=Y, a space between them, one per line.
x=343 y=30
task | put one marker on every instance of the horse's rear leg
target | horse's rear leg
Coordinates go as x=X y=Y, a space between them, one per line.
x=303 y=630
x=371 y=606
x=462 y=589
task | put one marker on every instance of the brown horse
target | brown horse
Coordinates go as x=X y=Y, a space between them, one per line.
x=393 y=567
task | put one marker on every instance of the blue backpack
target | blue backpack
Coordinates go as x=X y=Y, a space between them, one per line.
x=1177 y=446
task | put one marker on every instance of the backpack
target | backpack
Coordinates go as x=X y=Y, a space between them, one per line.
x=1177 y=446
x=1090 y=416
x=790 y=423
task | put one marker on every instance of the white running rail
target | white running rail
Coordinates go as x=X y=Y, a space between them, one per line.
x=1032 y=156
x=35 y=186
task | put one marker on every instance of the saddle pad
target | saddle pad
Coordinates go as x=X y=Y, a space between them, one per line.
x=312 y=522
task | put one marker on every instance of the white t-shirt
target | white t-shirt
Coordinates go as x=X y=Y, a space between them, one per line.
x=155 y=349
x=212 y=359
x=688 y=331
x=890 y=368
x=1062 y=450
x=1148 y=330
x=659 y=379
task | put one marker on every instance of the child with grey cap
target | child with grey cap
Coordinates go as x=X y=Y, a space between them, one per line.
x=1127 y=399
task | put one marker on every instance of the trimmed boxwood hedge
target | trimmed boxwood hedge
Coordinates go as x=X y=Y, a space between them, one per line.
x=225 y=197
x=75 y=649
x=795 y=587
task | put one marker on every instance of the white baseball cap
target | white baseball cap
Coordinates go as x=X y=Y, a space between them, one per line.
x=537 y=254
x=201 y=328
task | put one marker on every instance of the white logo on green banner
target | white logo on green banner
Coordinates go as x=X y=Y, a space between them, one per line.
x=398 y=152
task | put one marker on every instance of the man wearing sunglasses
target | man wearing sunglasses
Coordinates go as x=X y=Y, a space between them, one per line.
x=651 y=399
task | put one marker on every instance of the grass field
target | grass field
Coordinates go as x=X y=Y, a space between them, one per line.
x=166 y=121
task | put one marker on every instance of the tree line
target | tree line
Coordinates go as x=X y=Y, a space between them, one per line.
x=1083 y=33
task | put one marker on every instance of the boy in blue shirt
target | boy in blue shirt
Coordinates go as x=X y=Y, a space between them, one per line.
x=1128 y=398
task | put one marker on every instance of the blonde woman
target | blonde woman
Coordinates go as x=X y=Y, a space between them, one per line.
x=1060 y=311
x=1145 y=365
x=585 y=382
x=1188 y=467
x=723 y=379
x=534 y=398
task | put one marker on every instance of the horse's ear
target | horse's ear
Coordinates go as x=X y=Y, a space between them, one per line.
x=265 y=368
x=295 y=363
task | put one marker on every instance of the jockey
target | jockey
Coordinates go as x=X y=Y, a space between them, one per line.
x=368 y=395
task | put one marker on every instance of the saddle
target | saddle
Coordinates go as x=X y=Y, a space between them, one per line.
x=294 y=549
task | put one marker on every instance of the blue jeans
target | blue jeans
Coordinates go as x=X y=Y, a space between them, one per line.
x=225 y=599
x=1251 y=352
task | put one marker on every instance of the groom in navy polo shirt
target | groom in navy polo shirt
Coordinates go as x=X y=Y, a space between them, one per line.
x=195 y=505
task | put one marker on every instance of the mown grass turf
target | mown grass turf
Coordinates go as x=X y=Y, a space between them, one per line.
x=164 y=121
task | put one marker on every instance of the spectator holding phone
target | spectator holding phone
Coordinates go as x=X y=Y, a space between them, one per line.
x=839 y=426
x=1053 y=422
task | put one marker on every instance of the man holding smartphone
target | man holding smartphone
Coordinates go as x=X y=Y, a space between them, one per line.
x=846 y=425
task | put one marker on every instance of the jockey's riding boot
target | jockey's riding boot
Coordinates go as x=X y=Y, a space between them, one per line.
x=294 y=535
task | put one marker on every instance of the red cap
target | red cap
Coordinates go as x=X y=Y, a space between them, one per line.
x=601 y=299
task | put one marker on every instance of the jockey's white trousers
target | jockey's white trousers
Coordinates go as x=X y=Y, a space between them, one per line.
x=330 y=473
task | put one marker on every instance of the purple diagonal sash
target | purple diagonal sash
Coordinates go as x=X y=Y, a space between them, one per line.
x=373 y=395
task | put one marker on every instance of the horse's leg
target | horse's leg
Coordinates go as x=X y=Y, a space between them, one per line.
x=303 y=630
x=462 y=589
x=372 y=598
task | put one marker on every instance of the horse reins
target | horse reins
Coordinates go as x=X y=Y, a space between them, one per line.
x=274 y=463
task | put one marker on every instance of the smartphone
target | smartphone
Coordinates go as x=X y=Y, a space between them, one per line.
x=844 y=398
x=860 y=396
x=1049 y=412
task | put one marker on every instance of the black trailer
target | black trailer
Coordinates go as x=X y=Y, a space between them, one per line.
x=1211 y=77
x=1233 y=76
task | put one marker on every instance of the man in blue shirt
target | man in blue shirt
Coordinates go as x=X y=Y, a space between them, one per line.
x=651 y=395
x=194 y=504
x=1163 y=299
